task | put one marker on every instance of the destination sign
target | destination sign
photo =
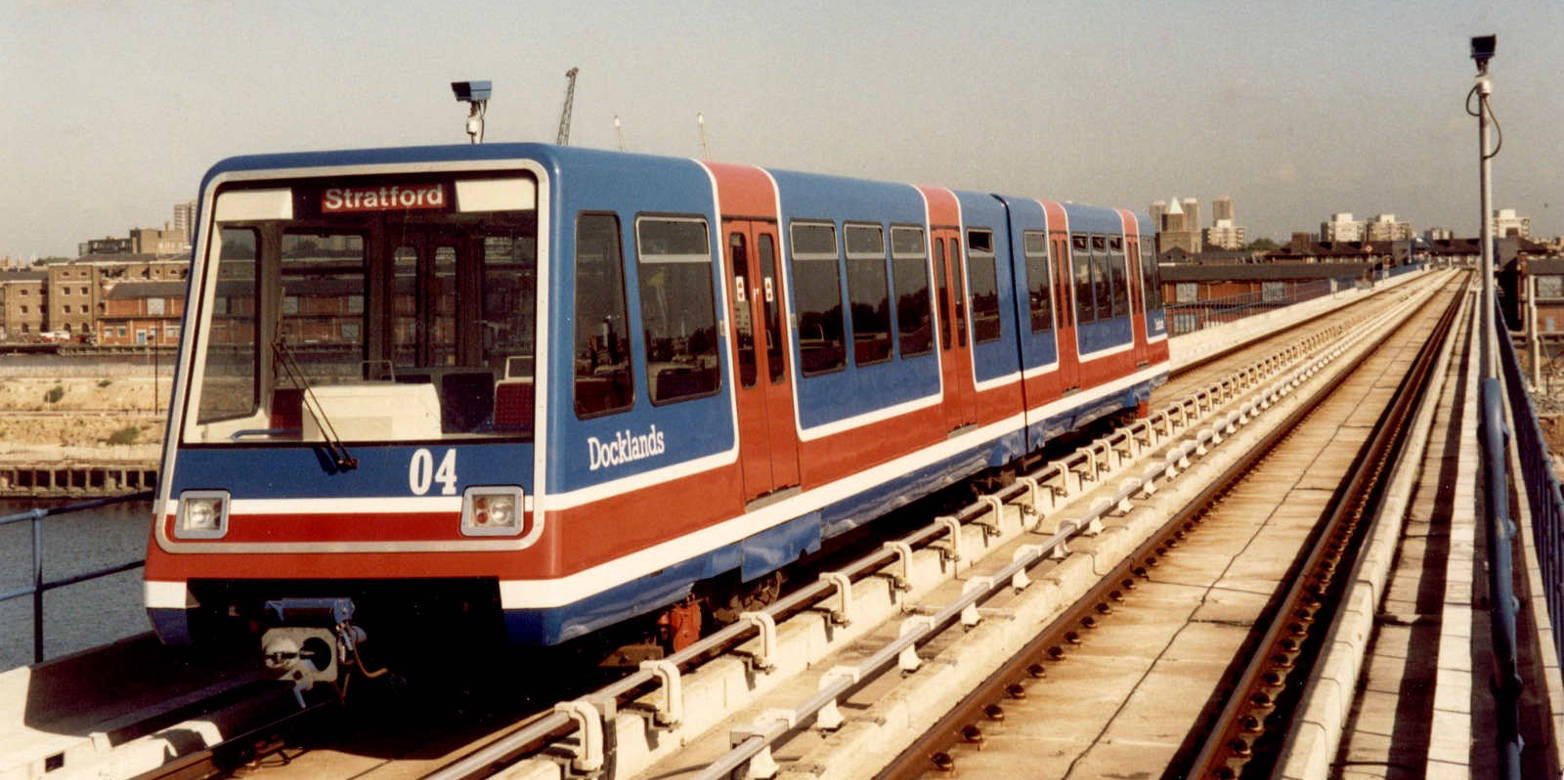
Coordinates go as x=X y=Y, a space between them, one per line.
x=343 y=200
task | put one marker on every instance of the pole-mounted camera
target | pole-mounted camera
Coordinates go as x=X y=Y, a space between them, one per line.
x=476 y=95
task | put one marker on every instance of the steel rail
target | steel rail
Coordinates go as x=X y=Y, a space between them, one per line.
x=1288 y=645
x=961 y=724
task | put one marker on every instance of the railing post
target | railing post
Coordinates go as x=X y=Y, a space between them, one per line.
x=1507 y=680
x=37 y=524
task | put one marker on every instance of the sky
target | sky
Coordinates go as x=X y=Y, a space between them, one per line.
x=112 y=110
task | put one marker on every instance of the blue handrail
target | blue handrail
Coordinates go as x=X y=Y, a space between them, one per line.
x=39 y=586
x=1507 y=682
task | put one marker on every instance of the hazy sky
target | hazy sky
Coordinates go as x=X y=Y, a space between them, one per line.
x=113 y=110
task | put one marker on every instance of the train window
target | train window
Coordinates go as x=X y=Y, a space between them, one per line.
x=324 y=275
x=1118 y=276
x=1150 y=279
x=229 y=388
x=944 y=294
x=984 y=283
x=678 y=311
x=817 y=289
x=743 y=328
x=603 y=381
x=773 y=300
x=1081 y=266
x=1039 y=291
x=910 y=274
x=1102 y=288
x=868 y=293
x=958 y=292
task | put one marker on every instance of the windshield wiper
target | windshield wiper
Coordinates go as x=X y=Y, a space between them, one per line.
x=334 y=446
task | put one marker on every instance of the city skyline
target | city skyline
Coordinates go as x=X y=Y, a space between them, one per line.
x=118 y=109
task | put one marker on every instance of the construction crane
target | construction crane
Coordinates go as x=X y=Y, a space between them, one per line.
x=563 y=137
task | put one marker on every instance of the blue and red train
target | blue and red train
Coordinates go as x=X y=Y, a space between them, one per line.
x=572 y=385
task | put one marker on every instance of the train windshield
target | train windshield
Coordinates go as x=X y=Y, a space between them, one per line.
x=368 y=309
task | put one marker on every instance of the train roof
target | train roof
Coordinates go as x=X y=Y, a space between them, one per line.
x=834 y=188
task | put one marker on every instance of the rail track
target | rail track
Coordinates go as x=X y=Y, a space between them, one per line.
x=1061 y=504
x=1229 y=722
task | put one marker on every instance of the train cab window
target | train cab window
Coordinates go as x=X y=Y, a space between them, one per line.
x=984 y=283
x=402 y=303
x=1118 y=276
x=1102 y=285
x=869 y=293
x=1081 y=267
x=1039 y=291
x=817 y=289
x=1150 y=278
x=322 y=320
x=603 y=381
x=910 y=274
x=230 y=388
x=678 y=310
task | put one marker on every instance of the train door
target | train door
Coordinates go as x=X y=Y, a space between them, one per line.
x=1064 y=309
x=960 y=401
x=423 y=301
x=768 y=438
x=1131 y=253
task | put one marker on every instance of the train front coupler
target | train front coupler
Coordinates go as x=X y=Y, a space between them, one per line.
x=313 y=640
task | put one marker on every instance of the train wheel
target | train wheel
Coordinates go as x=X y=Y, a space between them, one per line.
x=747 y=597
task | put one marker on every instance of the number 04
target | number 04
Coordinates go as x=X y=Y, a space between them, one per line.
x=421 y=472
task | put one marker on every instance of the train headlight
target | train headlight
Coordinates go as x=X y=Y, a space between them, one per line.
x=203 y=514
x=492 y=511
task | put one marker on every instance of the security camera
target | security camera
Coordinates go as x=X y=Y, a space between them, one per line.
x=1482 y=50
x=476 y=95
x=471 y=91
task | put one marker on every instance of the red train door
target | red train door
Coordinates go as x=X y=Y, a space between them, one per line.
x=960 y=402
x=768 y=438
x=1137 y=298
x=1064 y=303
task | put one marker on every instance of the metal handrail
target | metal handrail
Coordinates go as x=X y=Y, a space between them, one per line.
x=1539 y=487
x=39 y=586
x=1191 y=316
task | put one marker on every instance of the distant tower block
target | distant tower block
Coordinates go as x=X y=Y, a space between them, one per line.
x=1221 y=208
x=1191 y=213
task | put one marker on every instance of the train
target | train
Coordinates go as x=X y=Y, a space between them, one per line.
x=564 y=387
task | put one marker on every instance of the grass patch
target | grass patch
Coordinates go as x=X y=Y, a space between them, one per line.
x=125 y=435
x=55 y=394
x=105 y=382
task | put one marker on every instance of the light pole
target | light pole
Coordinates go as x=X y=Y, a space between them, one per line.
x=1482 y=51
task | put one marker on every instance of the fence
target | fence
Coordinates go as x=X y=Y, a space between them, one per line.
x=39 y=586
x=1539 y=488
x=1190 y=317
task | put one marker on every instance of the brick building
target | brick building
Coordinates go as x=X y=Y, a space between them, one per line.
x=74 y=295
x=23 y=298
x=139 y=313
